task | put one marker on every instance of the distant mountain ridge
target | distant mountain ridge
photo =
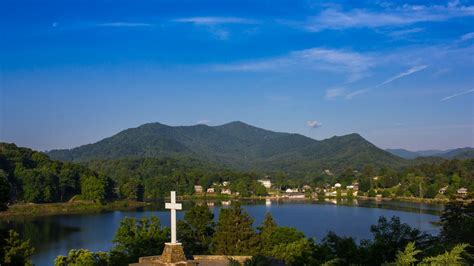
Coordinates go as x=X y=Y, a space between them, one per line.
x=460 y=153
x=237 y=145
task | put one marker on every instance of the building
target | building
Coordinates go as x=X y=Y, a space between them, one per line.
x=210 y=190
x=291 y=190
x=267 y=183
x=198 y=189
x=225 y=183
x=443 y=190
x=350 y=187
x=306 y=188
x=337 y=185
x=356 y=186
x=462 y=191
x=226 y=191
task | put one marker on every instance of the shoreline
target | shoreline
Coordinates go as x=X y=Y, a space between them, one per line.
x=28 y=210
x=85 y=207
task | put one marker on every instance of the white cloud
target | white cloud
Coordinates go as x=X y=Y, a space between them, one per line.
x=390 y=16
x=398 y=76
x=456 y=95
x=123 y=24
x=313 y=124
x=403 y=74
x=335 y=92
x=354 y=64
x=399 y=33
x=467 y=36
x=210 y=21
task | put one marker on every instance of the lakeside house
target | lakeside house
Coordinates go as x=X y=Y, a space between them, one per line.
x=198 y=189
x=306 y=188
x=210 y=190
x=294 y=195
x=462 y=191
x=337 y=185
x=291 y=190
x=225 y=183
x=267 y=183
x=443 y=190
x=226 y=191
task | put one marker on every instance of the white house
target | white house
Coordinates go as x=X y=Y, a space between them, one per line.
x=210 y=190
x=267 y=183
x=291 y=190
x=225 y=183
x=337 y=185
x=198 y=189
x=443 y=190
x=226 y=191
x=462 y=191
x=350 y=187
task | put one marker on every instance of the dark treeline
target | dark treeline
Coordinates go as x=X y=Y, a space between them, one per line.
x=234 y=234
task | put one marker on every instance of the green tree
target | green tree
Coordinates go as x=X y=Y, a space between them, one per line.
x=390 y=236
x=138 y=238
x=372 y=193
x=4 y=190
x=16 y=251
x=457 y=221
x=452 y=257
x=234 y=233
x=93 y=188
x=407 y=256
x=196 y=230
x=82 y=257
x=295 y=253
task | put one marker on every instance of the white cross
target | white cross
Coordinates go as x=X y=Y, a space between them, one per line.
x=173 y=206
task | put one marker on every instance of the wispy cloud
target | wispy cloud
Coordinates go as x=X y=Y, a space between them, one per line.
x=123 y=24
x=313 y=124
x=456 y=95
x=389 y=80
x=391 y=16
x=399 y=33
x=356 y=65
x=403 y=74
x=333 y=93
x=210 y=21
x=467 y=36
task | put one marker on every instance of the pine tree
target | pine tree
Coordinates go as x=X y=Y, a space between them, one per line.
x=196 y=230
x=234 y=233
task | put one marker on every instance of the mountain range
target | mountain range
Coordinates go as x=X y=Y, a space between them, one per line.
x=460 y=153
x=236 y=145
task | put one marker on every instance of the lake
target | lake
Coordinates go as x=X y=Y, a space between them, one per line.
x=56 y=235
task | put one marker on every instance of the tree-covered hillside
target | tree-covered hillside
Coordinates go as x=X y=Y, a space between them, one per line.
x=30 y=176
x=238 y=146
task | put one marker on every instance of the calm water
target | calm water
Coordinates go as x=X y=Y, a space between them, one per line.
x=55 y=235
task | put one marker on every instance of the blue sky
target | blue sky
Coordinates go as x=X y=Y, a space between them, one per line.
x=400 y=74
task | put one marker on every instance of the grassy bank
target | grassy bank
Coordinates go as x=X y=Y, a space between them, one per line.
x=32 y=209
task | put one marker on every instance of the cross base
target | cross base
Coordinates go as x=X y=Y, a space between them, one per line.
x=173 y=253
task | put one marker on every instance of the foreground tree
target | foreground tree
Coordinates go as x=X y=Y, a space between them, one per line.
x=407 y=256
x=234 y=233
x=196 y=230
x=15 y=251
x=138 y=238
x=457 y=223
x=82 y=257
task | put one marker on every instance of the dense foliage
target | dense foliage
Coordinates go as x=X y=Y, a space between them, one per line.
x=33 y=177
x=14 y=250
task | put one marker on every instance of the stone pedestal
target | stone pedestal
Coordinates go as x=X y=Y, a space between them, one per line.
x=173 y=253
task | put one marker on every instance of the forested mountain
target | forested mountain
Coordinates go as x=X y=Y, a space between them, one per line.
x=461 y=153
x=236 y=145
